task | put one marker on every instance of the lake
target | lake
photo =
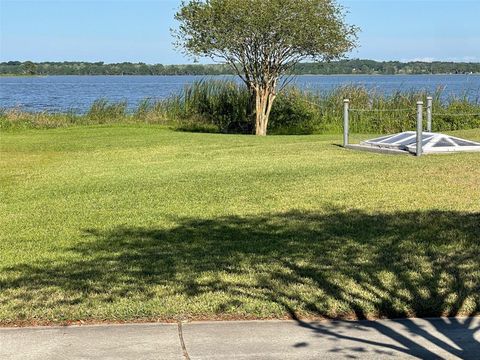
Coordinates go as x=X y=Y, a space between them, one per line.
x=76 y=93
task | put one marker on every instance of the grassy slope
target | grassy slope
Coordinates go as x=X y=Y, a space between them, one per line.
x=131 y=223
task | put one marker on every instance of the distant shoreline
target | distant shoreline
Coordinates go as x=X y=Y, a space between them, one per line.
x=340 y=67
x=18 y=75
x=230 y=75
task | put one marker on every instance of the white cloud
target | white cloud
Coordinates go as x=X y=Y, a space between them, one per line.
x=453 y=59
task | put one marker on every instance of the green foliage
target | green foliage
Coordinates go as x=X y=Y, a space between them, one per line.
x=103 y=111
x=143 y=109
x=245 y=31
x=293 y=113
x=29 y=68
x=370 y=67
x=451 y=117
x=224 y=105
x=219 y=106
x=124 y=223
x=17 y=119
x=216 y=105
x=353 y=66
x=262 y=40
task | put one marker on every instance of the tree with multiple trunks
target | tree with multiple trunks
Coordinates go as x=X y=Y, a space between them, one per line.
x=263 y=40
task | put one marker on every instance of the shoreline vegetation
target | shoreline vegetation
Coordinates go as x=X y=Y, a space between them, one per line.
x=223 y=107
x=341 y=67
x=356 y=74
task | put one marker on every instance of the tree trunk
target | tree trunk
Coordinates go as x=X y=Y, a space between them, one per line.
x=264 y=98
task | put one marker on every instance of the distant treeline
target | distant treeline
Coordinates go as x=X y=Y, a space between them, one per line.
x=355 y=66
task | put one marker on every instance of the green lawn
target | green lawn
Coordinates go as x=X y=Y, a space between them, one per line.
x=131 y=223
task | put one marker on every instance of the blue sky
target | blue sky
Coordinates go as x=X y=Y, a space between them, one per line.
x=128 y=30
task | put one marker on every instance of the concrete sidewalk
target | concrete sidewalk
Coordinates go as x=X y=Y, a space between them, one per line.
x=454 y=338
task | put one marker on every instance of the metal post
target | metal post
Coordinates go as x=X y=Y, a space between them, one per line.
x=346 y=105
x=429 y=113
x=419 y=127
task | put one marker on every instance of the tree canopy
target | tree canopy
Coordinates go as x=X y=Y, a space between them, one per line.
x=263 y=40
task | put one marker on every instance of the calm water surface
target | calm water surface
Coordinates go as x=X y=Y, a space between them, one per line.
x=76 y=93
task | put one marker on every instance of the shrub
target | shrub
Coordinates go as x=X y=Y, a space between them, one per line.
x=293 y=113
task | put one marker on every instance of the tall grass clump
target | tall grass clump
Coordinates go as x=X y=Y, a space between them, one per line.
x=213 y=106
x=454 y=116
x=102 y=111
x=16 y=118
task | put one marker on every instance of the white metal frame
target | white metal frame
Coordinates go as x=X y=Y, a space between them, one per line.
x=430 y=140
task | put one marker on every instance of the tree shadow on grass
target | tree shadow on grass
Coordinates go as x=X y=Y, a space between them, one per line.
x=331 y=264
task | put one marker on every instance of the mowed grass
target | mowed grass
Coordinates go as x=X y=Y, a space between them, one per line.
x=136 y=223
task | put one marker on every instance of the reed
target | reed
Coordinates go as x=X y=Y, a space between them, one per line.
x=220 y=106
